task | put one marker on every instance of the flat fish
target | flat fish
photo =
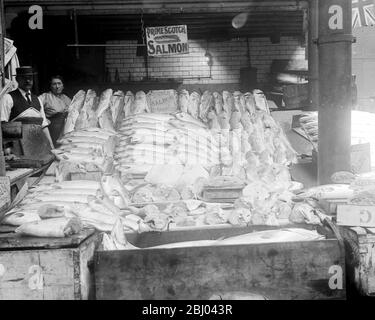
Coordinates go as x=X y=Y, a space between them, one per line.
x=74 y=110
x=104 y=101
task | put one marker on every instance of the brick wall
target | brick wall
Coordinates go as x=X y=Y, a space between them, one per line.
x=228 y=58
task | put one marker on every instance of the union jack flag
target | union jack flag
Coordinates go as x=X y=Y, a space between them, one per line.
x=363 y=13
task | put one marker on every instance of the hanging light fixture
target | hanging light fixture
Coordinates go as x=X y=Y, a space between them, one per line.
x=209 y=59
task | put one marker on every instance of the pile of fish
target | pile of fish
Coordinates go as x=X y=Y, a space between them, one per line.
x=86 y=148
x=148 y=139
x=87 y=110
x=89 y=136
x=96 y=204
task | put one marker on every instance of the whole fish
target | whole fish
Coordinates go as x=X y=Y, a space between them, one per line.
x=104 y=102
x=97 y=140
x=228 y=102
x=239 y=102
x=74 y=110
x=54 y=227
x=84 y=133
x=207 y=103
x=183 y=100
x=260 y=100
x=81 y=191
x=106 y=122
x=20 y=217
x=82 y=198
x=128 y=102
x=83 y=118
x=116 y=106
x=193 y=105
x=218 y=99
x=150 y=116
x=250 y=103
x=74 y=184
x=140 y=104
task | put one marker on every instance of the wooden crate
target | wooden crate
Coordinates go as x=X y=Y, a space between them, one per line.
x=360 y=258
x=47 y=268
x=288 y=270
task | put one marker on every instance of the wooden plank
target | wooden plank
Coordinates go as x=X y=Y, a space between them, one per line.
x=354 y=215
x=86 y=272
x=56 y=274
x=36 y=275
x=147 y=239
x=15 y=241
x=296 y=270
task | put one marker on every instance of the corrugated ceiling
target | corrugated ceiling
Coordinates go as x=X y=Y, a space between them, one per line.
x=111 y=19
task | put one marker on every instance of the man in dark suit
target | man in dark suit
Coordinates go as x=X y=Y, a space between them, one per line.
x=15 y=103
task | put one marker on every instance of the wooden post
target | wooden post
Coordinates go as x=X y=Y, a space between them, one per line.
x=2 y=81
x=313 y=54
x=334 y=43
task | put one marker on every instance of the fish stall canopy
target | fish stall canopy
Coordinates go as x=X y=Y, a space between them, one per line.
x=180 y=154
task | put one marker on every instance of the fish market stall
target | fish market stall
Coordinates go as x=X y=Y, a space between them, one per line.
x=215 y=168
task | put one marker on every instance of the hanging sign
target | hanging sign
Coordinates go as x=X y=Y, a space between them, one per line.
x=167 y=40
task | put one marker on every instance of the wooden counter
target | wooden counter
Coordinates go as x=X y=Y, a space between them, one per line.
x=285 y=270
x=47 y=268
